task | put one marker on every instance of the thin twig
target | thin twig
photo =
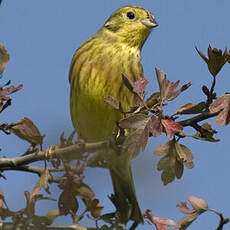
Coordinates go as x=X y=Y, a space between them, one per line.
x=222 y=221
x=210 y=95
x=213 y=85
x=36 y=170
x=5 y=128
x=198 y=118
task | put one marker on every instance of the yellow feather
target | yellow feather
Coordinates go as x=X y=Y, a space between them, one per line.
x=95 y=74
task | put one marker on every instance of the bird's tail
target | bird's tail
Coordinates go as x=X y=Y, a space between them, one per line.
x=124 y=197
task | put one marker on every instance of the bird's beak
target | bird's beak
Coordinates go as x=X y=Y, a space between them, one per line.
x=150 y=22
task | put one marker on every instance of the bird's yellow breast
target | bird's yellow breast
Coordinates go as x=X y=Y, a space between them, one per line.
x=94 y=75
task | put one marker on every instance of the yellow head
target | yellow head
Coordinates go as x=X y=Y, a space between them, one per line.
x=130 y=25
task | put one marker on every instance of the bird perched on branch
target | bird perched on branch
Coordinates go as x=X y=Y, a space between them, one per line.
x=95 y=74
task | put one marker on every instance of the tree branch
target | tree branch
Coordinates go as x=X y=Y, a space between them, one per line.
x=36 y=170
x=75 y=151
x=11 y=226
x=198 y=118
x=70 y=152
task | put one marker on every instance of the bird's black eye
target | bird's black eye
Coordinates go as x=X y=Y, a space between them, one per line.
x=130 y=15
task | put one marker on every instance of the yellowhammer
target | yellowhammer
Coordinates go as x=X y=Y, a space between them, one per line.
x=94 y=75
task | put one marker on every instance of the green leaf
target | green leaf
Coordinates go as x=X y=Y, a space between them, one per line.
x=215 y=60
x=163 y=149
x=207 y=133
x=179 y=169
x=175 y=157
x=167 y=176
x=184 y=154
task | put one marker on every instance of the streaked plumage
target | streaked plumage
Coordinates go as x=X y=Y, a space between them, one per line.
x=95 y=74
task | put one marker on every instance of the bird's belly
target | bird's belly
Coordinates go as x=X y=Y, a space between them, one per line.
x=93 y=118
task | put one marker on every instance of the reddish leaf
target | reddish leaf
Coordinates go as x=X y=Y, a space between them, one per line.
x=171 y=127
x=4 y=58
x=4 y=100
x=143 y=125
x=199 y=206
x=222 y=105
x=215 y=60
x=26 y=130
x=167 y=88
x=155 y=126
x=139 y=86
x=183 y=207
x=160 y=223
x=10 y=90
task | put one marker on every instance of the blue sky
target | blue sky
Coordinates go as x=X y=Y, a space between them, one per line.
x=41 y=37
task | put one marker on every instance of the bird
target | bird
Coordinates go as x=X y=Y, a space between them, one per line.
x=95 y=74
